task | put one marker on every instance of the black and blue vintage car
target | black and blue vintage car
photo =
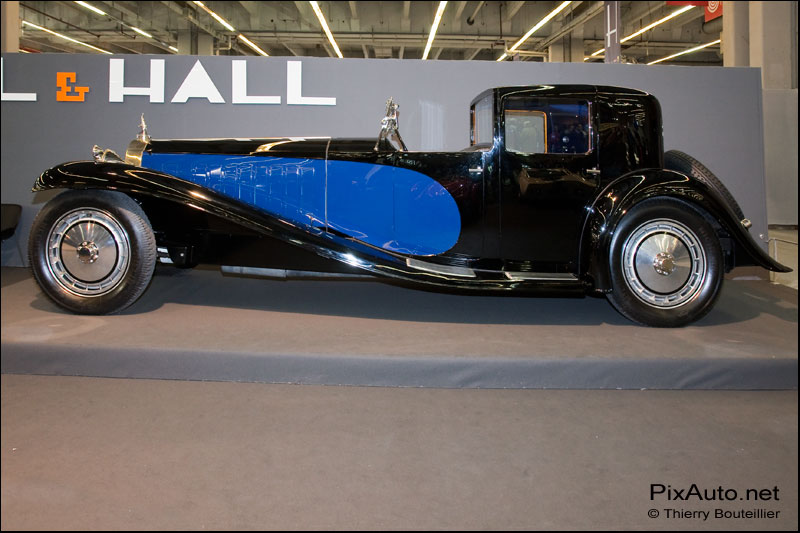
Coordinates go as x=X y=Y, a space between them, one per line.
x=563 y=189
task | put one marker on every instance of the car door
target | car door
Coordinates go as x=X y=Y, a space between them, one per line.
x=548 y=174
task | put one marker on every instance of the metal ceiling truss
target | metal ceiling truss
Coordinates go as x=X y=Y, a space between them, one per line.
x=469 y=30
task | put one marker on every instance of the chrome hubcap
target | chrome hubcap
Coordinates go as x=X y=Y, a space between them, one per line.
x=664 y=263
x=88 y=252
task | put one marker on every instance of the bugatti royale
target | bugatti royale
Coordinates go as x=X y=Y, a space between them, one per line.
x=562 y=190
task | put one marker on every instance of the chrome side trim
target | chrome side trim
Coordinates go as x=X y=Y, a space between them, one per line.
x=441 y=269
x=539 y=276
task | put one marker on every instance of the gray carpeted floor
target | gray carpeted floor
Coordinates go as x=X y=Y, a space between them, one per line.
x=201 y=325
x=96 y=454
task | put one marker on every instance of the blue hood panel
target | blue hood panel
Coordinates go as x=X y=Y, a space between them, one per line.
x=396 y=209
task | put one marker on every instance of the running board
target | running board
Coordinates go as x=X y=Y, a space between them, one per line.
x=539 y=276
x=279 y=273
x=441 y=269
x=465 y=272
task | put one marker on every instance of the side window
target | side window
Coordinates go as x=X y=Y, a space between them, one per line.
x=547 y=126
x=482 y=121
x=526 y=131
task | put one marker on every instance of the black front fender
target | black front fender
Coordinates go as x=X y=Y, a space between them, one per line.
x=142 y=182
x=621 y=195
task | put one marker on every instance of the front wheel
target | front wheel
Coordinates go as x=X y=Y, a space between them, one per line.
x=92 y=252
x=666 y=264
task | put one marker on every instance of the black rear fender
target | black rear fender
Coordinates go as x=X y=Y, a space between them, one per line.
x=621 y=195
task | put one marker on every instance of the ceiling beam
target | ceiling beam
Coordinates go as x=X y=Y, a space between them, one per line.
x=43 y=42
x=594 y=10
x=291 y=50
x=119 y=6
x=459 y=10
x=512 y=9
x=189 y=14
x=250 y=8
x=471 y=55
x=306 y=15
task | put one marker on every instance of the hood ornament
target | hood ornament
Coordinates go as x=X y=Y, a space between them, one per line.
x=101 y=155
x=389 y=136
x=143 y=136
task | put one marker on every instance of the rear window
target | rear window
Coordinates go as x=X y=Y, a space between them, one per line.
x=546 y=126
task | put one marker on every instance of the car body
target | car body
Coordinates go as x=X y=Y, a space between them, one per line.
x=562 y=190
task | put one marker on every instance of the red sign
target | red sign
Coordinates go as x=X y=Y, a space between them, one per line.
x=713 y=10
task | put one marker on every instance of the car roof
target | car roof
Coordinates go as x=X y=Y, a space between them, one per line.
x=560 y=89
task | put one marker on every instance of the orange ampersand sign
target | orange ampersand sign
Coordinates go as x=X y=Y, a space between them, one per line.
x=63 y=80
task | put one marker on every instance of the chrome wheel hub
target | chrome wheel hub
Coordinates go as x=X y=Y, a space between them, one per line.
x=88 y=252
x=664 y=263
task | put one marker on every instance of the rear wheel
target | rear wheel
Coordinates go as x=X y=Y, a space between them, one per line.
x=92 y=252
x=666 y=264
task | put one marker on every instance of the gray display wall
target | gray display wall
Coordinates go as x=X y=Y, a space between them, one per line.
x=713 y=113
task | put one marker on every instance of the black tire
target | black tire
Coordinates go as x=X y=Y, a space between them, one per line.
x=92 y=252
x=666 y=264
x=686 y=164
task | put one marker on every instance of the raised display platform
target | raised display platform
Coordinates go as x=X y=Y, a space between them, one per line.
x=203 y=325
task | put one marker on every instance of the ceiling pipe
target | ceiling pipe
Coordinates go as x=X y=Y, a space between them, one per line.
x=471 y=18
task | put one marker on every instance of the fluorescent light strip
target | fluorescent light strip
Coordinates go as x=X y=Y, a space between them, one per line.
x=142 y=32
x=436 y=20
x=324 y=24
x=219 y=19
x=252 y=45
x=671 y=16
x=134 y=28
x=92 y=8
x=533 y=30
x=689 y=51
x=66 y=38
